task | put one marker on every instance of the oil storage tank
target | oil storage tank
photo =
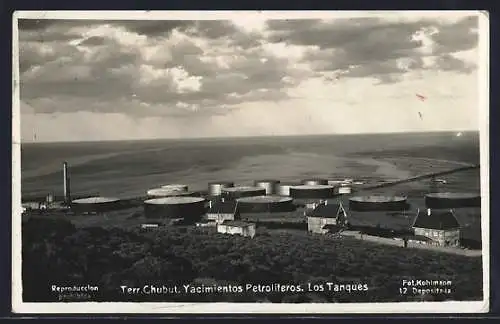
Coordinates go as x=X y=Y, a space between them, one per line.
x=378 y=203
x=265 y=204
x=189 y=209
x=95 y=204
x=215 y=188
x=315 y=181
x=335 y=182
x=242 y=191
x=312 y=191
x=270 y=185
x=452 y=200
x=284 y=187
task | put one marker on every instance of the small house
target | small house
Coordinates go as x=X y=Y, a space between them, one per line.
x=32 y=205
x=308 y=204
x=237 y=228
x=440 y=226
x=312 y=204
x=326 y=218
x=221 y=211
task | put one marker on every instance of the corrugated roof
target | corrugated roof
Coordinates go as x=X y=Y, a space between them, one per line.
x=325 y=211
x=439 y=220
x=223 y=207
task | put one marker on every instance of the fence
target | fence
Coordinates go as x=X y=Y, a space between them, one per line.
x=401 y=243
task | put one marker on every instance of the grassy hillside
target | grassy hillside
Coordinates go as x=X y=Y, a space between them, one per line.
x=57 y=253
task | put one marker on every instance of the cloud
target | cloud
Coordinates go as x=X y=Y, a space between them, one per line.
x=210 y=72
x=153 y=27
x=205 y=63
x=93 y=41
x=375 y=47
x=461 y=36
x=448 y=62
x=363 y=109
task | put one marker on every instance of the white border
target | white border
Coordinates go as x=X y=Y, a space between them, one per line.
x=18 y=306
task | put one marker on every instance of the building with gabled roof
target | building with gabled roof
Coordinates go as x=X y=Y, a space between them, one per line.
x=326 y=218
x=221 y=211
x=440 y=226
x=236 y=227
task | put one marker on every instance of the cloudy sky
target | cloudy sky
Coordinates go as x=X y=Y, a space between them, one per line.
x=117 y=79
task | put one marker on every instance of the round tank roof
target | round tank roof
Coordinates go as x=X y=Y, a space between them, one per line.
x=174 y=186
x=242 y=188
x=378 y=199
x=264 y=199
x=165 y=191
x=95 y=200
x=453 y=195
x=174 y=200
x=312 y=187
x=314 y=179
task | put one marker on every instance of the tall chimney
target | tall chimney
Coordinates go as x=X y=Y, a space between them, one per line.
x=66 y=184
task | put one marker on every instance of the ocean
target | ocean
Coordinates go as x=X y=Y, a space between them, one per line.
x=125 y=169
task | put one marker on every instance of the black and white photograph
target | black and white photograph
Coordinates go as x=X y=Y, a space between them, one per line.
x=250 y=162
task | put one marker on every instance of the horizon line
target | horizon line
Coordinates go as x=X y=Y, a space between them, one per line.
x=245 y=137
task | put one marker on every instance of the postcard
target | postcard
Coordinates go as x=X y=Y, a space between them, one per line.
x=250 y=162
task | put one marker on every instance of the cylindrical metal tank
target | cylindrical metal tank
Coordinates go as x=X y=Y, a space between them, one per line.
x=452 y=200
x=175 y=187
x=189 y=209
x=270 y=185
x=66 y=184
x=94 y=204
x=242 y=191
x=283 y=188
x=168 y=192
x=315 y=182
x=378 y=203
x=49 y=198
x=215 y=188
x=311 y=191
x=265 y=204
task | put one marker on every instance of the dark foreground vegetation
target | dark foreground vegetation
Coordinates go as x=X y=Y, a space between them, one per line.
x=57 y=253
